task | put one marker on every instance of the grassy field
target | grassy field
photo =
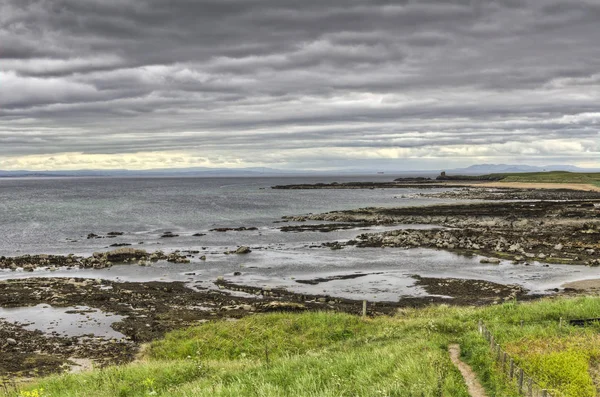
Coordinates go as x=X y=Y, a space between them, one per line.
x=555 y=177
x=328 y=354
x=592 y=178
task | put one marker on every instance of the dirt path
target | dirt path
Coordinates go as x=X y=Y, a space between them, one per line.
x=475 y=388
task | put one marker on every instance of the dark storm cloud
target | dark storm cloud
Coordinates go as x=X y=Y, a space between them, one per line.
x=236 y=80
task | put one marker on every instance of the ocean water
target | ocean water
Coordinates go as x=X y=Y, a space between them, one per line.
x=46 y=215
x=54 y=216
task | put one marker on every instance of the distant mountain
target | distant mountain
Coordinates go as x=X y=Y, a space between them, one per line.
x=479 y=169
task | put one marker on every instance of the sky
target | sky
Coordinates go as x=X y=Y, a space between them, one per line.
x=311 y=84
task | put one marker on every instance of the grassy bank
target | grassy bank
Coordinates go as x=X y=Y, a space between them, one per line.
x=327 y=354
x=555 y=177
x=592 y=178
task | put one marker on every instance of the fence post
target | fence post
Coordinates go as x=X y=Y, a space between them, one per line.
x=544 y=393
x=560 y=323
x=512 y=369
x=480 y=326
x=530 y=387
x=498 y=352
x=521 y=323
x=520 y=380
x=492 y=342
x=364 y=311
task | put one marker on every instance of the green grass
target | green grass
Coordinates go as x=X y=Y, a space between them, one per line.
x=327 y=354
x=592 y=178
x=554 y=177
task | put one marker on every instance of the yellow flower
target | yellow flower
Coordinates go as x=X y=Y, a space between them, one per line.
x=32 y=393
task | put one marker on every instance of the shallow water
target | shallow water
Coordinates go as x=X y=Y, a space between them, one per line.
x=388 y=271
x=38 y=216
x=64 y=321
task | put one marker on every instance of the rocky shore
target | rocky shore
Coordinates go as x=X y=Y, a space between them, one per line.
x=499 y=193
x=549 y=226
x=99 y=260
x=424 y=184
x=545 y=231
x=151 y=309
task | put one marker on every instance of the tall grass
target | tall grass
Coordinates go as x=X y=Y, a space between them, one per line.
x=328 y=354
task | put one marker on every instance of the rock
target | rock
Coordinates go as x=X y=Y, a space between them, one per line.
x=121 y=254
x=92 y=235
x=237 y=273
x=541 y=255
x=558 y=247
x=169 y=235
x=203 y=258
x=491 y=261
x=243 y=250
x=284 y=306
x=11 y=341
x=28 y=267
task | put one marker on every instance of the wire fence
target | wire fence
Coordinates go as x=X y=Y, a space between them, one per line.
x=526 y=384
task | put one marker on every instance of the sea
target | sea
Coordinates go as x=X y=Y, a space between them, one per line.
x=55 y=216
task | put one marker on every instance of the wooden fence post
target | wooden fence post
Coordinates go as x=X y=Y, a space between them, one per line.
x=520 y=381
x=364 y=311
x=512 y=368
x=524 y=382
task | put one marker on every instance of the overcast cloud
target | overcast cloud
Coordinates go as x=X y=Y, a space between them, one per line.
x=308 y=84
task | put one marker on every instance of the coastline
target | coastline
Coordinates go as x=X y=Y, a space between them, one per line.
x=545 y=225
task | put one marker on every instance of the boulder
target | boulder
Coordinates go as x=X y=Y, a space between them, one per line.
x=121 y=254
x=243 y=250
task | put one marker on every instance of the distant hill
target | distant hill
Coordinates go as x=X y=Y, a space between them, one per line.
x=153 y=172
x=479 y=169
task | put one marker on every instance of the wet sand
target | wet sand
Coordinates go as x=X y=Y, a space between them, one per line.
x=583 y=285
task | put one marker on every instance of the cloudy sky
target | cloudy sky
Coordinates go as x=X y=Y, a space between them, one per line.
x=312 y=84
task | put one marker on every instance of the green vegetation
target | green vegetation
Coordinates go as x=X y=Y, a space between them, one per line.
x=554 y=177
x=328 y=354
x=532 y=177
